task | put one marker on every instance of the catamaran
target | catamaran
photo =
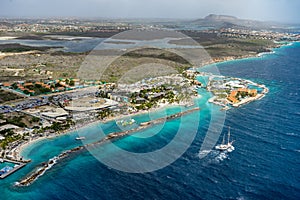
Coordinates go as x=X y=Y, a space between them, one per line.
x=228 y=146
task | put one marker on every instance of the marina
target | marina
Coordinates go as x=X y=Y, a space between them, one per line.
x=8 y=167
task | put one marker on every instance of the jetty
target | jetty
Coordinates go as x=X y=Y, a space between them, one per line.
x=112 y=136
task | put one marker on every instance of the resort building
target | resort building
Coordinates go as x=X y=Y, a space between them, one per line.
x=240 y=92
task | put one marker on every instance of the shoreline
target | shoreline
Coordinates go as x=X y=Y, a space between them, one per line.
x=5 y=54
x=20 y=149
x=7 y=37
x=109 y=137
x=250 y=99
x=245 y=57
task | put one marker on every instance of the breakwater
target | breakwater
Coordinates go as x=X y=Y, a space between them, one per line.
x=112 y=136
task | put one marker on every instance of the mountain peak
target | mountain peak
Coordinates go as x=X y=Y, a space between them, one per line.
x=215 y=17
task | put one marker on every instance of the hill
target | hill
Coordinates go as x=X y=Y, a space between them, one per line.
x=227 y=21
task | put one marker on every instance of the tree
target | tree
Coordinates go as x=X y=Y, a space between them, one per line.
x=14 y=85
x=71 y=83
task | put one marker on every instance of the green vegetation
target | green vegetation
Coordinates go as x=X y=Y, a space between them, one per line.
x=104 y=113
x=16 y=120
x=157 y=53
x=8 y=96
x=152 y=96
x=9 y=138
x=38 y=89
x=34 y=120
x=16 y=48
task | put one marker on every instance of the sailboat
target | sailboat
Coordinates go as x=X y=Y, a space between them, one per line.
x=228 y=146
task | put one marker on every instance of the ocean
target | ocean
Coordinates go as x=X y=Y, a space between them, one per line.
x=264 y=165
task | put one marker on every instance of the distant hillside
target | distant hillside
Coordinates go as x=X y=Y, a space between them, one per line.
x=213 y=17
x=227 y=21
x=5 y=24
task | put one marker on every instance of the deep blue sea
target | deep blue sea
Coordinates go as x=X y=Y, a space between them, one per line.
x=264 y=165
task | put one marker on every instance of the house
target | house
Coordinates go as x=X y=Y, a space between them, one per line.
x=28 y=84
x=253 y=92
x=8 y=126
x=232 y=99
x=6 y=84
x=157 y=96
x=140 y=100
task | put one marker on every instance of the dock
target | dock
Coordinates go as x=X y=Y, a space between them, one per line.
x=20 y=165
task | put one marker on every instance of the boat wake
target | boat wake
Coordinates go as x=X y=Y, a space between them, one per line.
x=215 y=156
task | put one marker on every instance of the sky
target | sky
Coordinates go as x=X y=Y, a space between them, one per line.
x=265 y=10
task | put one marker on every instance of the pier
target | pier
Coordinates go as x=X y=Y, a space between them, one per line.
x=20 y=165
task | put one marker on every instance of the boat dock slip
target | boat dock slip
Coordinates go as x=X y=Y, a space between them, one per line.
x=18 y=165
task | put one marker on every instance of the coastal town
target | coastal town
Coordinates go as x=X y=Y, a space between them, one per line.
x=40 y=99
x=48 y=109
x=141 y=100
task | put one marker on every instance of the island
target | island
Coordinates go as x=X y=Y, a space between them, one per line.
x=42 y=97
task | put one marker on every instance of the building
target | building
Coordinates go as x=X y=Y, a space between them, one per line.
x=233 y=99
x=8 y=126
x=140 y=100
x=55 y=113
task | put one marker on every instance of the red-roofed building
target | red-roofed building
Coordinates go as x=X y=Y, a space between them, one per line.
x=6 y=84
x=253 y=92
x=60 y=88
x=233 y=93
x=232 y=99
x=243 y=90
x=39 y=83
x=28 y=84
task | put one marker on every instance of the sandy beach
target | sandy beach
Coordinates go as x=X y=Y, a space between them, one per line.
x=2 y=55
x=19 y=150
x=7 y=38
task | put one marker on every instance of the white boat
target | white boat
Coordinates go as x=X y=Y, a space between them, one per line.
x=80 y=138
x=126 y=122
x=228 y=146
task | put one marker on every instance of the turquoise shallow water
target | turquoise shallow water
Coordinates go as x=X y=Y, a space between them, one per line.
x=4 y=164
x=263 y=166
